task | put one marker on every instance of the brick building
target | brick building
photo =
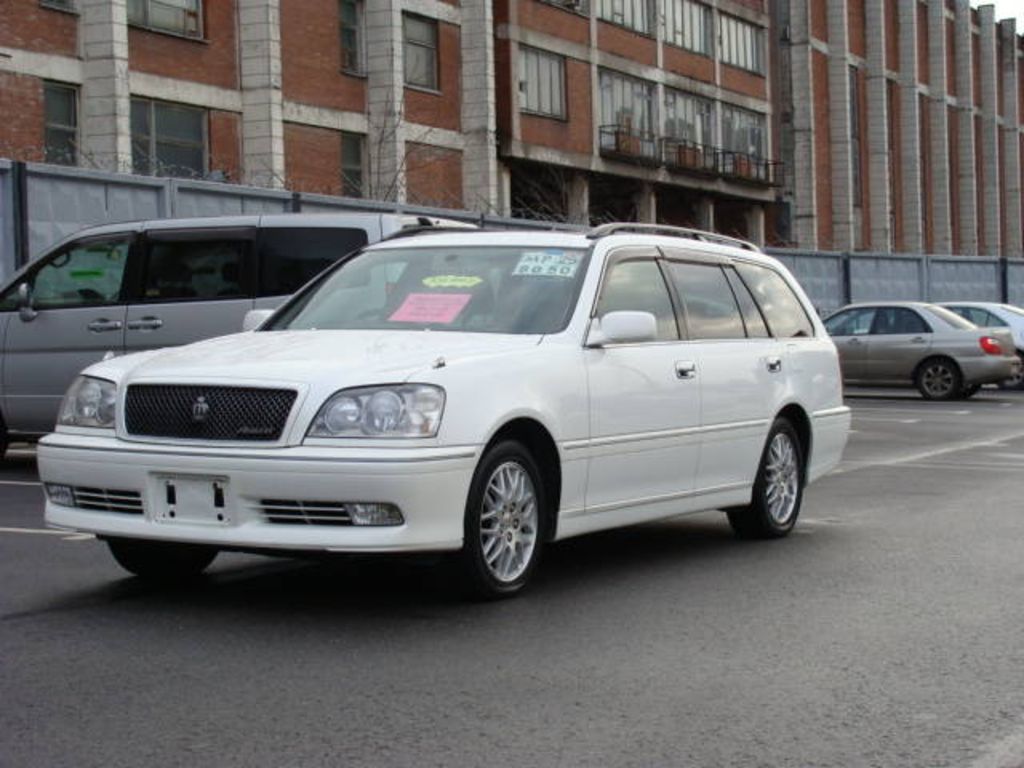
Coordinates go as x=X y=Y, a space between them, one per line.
x=901 y=126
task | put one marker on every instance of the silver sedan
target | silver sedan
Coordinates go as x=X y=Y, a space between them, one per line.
x=923 y=345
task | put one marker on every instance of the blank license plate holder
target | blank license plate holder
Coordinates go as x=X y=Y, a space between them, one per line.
x=193 y=499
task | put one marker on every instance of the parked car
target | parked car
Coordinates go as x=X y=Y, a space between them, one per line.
x=129 y=287
x=912 y=343
x=482 y=393
x=987 y=314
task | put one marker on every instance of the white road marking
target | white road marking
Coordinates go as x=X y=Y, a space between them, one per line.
x=880 y=420
x=919 y=411
x=65 y=535
x=20 y=482
x=921 y=456
x=17 y=452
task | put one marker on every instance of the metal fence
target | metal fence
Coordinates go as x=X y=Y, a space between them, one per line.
x=41 y=204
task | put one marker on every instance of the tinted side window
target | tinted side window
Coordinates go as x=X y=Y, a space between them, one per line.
x=637 y=286
x=291 y=257
x=895 y=320
x=711 y=310
x=81 y=275
x=756 y=328
x=195 y=271
x=852 y=322
x=993 y=321
x=785 y=314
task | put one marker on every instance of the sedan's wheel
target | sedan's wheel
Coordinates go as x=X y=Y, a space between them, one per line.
x=778 y=488
x=939 y=379
x=159 y=561
x=503 y=524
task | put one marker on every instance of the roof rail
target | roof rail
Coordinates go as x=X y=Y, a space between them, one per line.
x=664 y=229
x=425 y=225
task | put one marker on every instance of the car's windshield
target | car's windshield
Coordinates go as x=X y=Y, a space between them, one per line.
x=950 y=318
x=481 y=289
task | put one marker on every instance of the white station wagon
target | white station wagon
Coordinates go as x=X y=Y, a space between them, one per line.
x=480 y=393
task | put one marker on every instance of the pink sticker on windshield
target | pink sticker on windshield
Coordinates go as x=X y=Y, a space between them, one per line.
x=438 y=308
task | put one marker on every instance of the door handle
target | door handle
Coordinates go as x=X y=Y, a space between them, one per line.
x=686 y=369
x=918 y=340
x=774 y=364
x=854 y=342
x=102 y=325
x=148 y=323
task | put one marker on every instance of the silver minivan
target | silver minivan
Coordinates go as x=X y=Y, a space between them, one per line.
x=121 y=288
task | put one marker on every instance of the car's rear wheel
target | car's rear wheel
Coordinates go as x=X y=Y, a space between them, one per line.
x=160 y=561
x=939 y=378
x=778 y=488
x=504 y=522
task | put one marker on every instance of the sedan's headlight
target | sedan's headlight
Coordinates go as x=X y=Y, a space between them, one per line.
x=89 y=402
x=404 y=410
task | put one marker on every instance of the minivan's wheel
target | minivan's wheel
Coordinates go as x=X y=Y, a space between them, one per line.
x=1017 y=380
x=778 y=489
x=939 y=378
x=504 y=521
x=160 y=561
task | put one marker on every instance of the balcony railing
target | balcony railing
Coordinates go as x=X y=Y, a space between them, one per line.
x=749 y=168
x=683 y=155
x=622 y=143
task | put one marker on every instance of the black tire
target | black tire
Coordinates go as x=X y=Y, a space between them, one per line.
x=760 y=519
x=4 y=440
x=939 y=378
x=968 y=392
x=513 y=525
x=159 y=561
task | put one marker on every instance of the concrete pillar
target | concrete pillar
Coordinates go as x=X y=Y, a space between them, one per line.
x=578 y=202
x=966 y=170
x=706 y=214
x=385 y=75
x=839 y=127
x=479 y=111
x=1009 y=73
x=990 y=131
x=910 y=130
x=504 y=191
x=647 y=204
x=262 y=100
x=938 y=152
x=756 y=224
x=878 y=129
x=106 y=141
x=801 y=102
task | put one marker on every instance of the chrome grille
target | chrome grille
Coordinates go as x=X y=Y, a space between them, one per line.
x=207 y=413
x=305 y=512
x=106 y=500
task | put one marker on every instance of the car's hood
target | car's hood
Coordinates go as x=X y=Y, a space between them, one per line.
x=349 y=357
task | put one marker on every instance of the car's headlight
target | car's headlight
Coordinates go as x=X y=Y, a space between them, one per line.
x=90 y=402
x=404 y=410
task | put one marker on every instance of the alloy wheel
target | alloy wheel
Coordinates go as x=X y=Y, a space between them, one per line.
x=508 y=522
x=782 y=478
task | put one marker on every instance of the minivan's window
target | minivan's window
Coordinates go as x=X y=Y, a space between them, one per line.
x=711 y=309
x=852 y=322
x=785 y=314
x=752 y=318
x=890 y=321
x=196 y=271
x=637 y=286
x=81 y=275
x=291 y=257
x=477 y=289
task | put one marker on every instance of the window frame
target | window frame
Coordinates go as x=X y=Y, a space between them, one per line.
x=740 y=263
x=346 y=178
x=732 y=49
x=50 y=86
x=200 y=33
x=152 y=140
x=681 y=99
x=678 y=15
x=645 y=9
x=435 y=86
x=359 y=31
x=641 y=127
x=751 y=120
x=562 y=112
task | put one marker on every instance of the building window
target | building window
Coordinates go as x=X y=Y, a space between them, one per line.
x=351 y=29
x=180 y=17
x=61 y=5
x=61 y=108
x=353 y=158
x=744 y=131
x=688 y=25
x=742 y=44
x=168 y=139
x=634 y=14
x=420 y=49
x=541 y=82
x=627 y=102
x=689 y=117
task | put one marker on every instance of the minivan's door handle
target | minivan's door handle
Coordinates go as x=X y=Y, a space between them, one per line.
x=686 y=369
x=774 y=364
x=102 y=325
x=148 y=323
x=918 y=340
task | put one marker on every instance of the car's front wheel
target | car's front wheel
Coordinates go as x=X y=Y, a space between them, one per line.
x=504 y=523
x=778 y=488
x=161 y=561
x=939 y=379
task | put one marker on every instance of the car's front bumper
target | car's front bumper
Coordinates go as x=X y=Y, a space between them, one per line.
x=429 y=486
x=989 y=369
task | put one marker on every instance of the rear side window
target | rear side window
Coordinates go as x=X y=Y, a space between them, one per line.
x=890 y=321
x=782 y=309
x=756 y=328
x=200 y=270
x=291 y=257
x=708 y=301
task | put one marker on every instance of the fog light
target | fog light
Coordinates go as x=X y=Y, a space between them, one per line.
x=375 y=514
x=62 y=495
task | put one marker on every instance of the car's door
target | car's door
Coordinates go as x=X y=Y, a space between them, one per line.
x=644 y=398
x=850 y=330
x=739 y=368
x=191 y=285
x=79 y=313
x=900 y=339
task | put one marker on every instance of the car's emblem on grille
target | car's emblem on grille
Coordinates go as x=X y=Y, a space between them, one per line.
x=200 y=410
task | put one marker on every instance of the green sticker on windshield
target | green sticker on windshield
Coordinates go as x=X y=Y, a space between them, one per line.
x=452 y=281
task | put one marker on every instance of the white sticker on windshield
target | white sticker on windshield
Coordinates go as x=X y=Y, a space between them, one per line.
x=549 y=263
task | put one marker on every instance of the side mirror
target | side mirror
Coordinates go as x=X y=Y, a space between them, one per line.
x=26 y=311
x=254 y=318
x=623 y=328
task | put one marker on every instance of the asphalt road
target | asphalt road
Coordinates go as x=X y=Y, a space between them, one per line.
x=887 y=631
